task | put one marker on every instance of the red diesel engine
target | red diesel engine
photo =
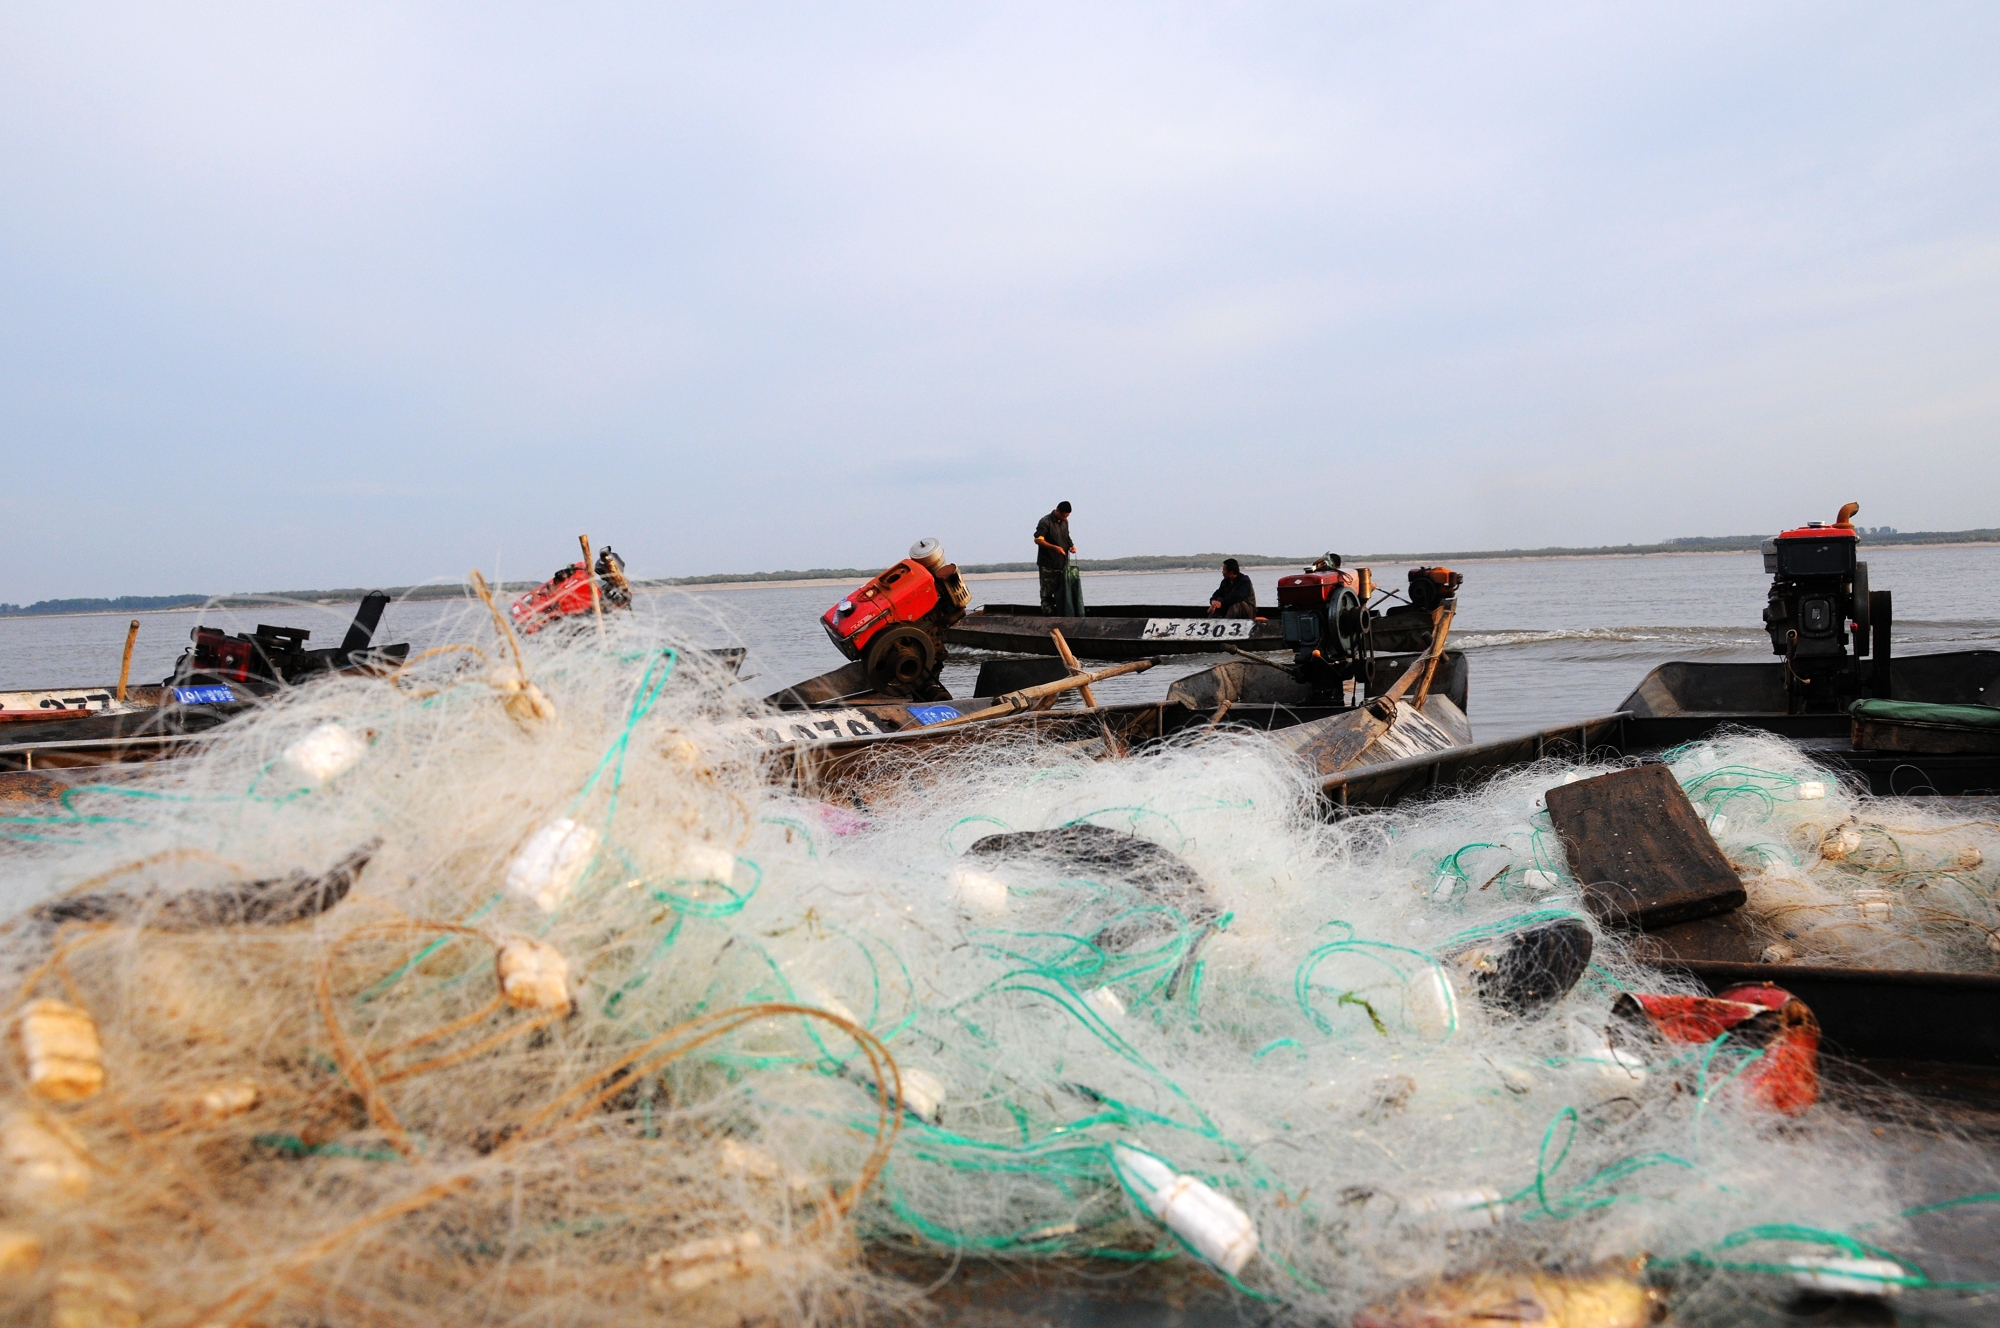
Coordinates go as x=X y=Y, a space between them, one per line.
x=1430 y=587
x=1325 y=615
x=574 y=590
x=896 y=623
x=1330 y=627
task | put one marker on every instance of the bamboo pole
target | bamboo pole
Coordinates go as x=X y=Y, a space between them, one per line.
x=1027 y=696
x=596 y=604
x=1069 y=662
x=1259 y=659
x=1113 y=748
x=125 y=669
x=1441 y=628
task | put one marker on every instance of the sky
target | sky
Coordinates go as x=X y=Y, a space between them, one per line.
x=300 y=296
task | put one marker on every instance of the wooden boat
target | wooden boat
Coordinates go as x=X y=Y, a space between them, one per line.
x=1685 y=702
x=860 y=768
x=55 y=704
x=1386 y=726
x=1949 y=1019
x=1693 y=695
x=1905 y=1015
x=1139 y=631
x=217 y=676
x=144 y=732
x=60 y=704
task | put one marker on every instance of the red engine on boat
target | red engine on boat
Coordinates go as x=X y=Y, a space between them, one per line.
x=896 y=622
x=903 y=594
x=1312 y=590
x=222 y=655
x=569 y=592
x=1324 y=610
x=565 y=593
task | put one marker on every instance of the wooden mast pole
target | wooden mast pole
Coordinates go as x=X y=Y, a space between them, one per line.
x=125 y=669
x=596 y=604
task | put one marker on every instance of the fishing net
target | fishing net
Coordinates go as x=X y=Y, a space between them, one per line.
x=514 y=988
x=1837 y=876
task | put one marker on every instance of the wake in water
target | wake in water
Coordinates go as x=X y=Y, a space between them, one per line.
x=502 y=993
x=1653 y=642
x=1695 y=637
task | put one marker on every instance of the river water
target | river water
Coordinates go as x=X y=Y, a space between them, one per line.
x=1549 y=640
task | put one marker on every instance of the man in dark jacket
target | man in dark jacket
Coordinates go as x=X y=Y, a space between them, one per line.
x=1052 y=553
x=1235 y=597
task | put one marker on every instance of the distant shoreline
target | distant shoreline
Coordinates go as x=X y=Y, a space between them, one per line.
x=1733 y=545
x=1249 y=566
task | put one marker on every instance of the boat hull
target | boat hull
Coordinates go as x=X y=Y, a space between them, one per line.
x=1907 y=1015
x=43 y=705
x=1113 y=638
x=1143 y=631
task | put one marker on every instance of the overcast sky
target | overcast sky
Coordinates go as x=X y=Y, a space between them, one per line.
x=302 y=296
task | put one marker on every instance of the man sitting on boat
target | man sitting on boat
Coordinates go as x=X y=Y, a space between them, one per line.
x=1053 y=548
x=1235 y=597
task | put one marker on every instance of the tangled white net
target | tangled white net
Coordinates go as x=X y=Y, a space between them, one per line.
x=504 y=993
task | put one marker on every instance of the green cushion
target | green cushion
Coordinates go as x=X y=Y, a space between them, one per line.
x=1923 y=712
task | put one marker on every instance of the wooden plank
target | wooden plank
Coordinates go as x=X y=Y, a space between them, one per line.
x=1889 y=735
x=1728 y=938
x=1027 y=696
x=1643 y=855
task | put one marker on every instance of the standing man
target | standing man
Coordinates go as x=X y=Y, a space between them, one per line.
x=1235 y=597
x=1052 y=552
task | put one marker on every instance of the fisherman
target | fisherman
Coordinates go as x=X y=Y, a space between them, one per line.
x=1052 y=553
x=1235 y=597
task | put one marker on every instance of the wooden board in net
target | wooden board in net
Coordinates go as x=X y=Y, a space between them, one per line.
x=1643 y=855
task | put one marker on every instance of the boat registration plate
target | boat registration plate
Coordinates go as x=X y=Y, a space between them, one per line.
x=813 y=726
x=204 y=695
x=1198 y=629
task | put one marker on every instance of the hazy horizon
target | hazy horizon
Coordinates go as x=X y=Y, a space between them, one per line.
x=342 y=296
x=1018 y=567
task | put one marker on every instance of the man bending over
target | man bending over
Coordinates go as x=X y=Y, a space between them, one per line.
x=1053 y=548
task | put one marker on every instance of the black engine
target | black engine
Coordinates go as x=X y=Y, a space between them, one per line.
x=271 y=657
x=1819 y=607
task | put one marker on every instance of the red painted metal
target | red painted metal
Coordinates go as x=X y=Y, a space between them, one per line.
x=1311 y=590
x=1819 y=532
x=564 y=594
x=222 y=655
x=904 y=593
x=1770 y=1019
